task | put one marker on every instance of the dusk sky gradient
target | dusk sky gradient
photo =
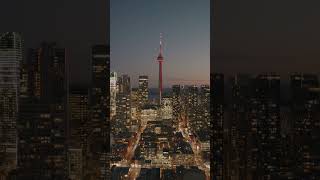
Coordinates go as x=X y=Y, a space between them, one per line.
x=135 y=29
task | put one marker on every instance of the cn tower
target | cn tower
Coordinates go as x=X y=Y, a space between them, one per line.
x=160 y=60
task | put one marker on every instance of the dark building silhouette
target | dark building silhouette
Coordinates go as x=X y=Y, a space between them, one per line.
x=264 y=123
x=78 y=119
x=305 y=108
x=217 y=114
x=254 y=138
x=97 y=135
x=266 y=136
x=42 y=123
x=239 y=127
x=153 y=173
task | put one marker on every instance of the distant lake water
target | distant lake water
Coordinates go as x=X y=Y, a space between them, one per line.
x=153 y=92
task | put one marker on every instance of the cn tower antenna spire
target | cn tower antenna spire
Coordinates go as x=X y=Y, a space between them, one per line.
x=161 y=43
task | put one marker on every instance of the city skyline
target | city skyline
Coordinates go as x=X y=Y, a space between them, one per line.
x=174 y=94
x=157 y=123
x=185 y=50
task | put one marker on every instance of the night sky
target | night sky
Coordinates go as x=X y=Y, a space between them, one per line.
x=135 y=29
x=267 y=35
x=73 y=24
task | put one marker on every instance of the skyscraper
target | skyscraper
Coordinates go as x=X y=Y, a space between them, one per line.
x=239 y=127
x=124 y=99
x=113 y=93
x=192 y=102
x=202 y=122
x=134 y=102
x=78 y=103
x=98 y=134
x=176 y=104
x=79 y=115
x=11 y=47
x=122 y=120
x=305 y=94
x=204 y=105
x=143 y=90
x=42 y=130
x=264 y=120
x=217 y=115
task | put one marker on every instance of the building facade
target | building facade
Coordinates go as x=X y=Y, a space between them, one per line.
x=11 y=50
x=42 y=122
